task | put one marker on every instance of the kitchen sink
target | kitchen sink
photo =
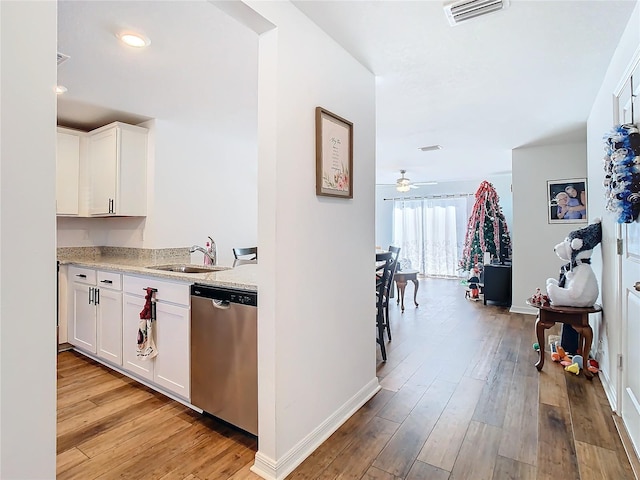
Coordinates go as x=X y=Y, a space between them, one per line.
x=186 y=268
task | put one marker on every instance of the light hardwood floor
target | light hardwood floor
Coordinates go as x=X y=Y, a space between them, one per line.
x=461 y=399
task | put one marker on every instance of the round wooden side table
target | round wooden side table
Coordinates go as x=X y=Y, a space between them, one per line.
x=576 y=317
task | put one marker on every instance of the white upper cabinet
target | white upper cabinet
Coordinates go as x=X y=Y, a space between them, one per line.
x=68 y=172
x=118 y=170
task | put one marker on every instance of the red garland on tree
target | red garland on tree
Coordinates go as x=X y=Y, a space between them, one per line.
x=486 y=230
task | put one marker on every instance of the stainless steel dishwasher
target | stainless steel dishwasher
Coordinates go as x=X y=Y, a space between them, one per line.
x=224 y=354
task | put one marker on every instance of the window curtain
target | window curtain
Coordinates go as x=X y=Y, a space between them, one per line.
x=430 y=233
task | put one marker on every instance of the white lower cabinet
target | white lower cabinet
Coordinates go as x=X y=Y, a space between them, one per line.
x=170 y=368
x=83 y=317
x=105 y=317
x=95 y=320
x=109 y=317
x=173 y=342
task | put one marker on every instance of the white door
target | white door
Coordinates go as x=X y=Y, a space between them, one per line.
x=83 y=334
x=67 y=173
x=629 y=267
x=631 y=318
x=109 y=325
x=103 y=173
x=132 y=307
x=173 y=341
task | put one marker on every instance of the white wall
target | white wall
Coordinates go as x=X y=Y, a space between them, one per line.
x=384 y=209
x=533 y=257
x=608 y=326
x=202 y=169
x=27 y=241
x=317 y=349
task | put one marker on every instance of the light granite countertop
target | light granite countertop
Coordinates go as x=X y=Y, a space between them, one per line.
x=136 y=262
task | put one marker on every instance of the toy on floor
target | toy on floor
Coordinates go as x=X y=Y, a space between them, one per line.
x=473 y=292
x=573 y=368
x=593 y=366
x=578 y=359
x=558 y=354
x=577 y=285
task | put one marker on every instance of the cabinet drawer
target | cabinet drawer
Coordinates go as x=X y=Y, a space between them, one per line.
x=167 y=291
x=82 y=275
x=110 y=280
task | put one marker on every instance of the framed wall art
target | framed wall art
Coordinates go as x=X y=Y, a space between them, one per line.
x=567 y=200
x=334 y=155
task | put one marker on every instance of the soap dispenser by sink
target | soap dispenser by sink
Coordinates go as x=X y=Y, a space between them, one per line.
x=207 y=258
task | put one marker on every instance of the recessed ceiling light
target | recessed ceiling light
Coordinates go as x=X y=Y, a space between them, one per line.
x=60 y=89
x=430 y=147
x=134 y=39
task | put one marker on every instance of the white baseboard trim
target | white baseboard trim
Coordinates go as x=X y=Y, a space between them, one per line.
x=277 y=469
x=629 y=449
x=609 y=389
x=524 y=310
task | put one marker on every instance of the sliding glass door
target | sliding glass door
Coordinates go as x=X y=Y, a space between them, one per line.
x=431 y=232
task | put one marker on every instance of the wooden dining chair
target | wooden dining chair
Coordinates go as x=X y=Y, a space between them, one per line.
x=383 y=275
x=396 y=253
x=245 y=255
x=252 y=252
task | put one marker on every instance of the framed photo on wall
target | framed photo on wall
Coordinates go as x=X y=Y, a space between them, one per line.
x=334 y=155
x=567 y=200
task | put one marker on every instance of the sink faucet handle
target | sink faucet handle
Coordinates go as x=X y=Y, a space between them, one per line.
x=213 y=252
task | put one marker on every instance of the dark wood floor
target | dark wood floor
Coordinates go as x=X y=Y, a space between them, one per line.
x=461 y=399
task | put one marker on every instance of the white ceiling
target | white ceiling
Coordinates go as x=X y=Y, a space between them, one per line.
x=525 y=75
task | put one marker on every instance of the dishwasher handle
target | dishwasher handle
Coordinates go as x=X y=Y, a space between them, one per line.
x=221 y=304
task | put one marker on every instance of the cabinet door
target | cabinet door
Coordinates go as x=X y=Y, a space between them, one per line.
x=173 y=341
x=83 y=328
x=103 y=171
x=67 y=173
x=109 y=324
x=132 y=307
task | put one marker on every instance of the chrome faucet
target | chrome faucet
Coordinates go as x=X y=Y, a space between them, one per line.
x=212 y=254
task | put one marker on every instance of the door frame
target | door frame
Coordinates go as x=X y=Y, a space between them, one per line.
x=623 y=341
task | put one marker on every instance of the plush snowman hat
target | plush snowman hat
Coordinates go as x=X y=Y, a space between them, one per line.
x=585 y=238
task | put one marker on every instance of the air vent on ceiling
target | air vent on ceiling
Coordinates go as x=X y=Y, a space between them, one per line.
x=462 y=10
x=62 y=57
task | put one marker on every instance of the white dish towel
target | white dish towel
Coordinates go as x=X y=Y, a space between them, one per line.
x=146 y=346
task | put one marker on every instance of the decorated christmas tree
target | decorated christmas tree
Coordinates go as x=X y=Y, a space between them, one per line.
x=486 y=230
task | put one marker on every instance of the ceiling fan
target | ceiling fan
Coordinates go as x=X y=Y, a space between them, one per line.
x=403 y=184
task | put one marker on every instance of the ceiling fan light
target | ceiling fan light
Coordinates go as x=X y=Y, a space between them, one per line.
x=403 y=187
